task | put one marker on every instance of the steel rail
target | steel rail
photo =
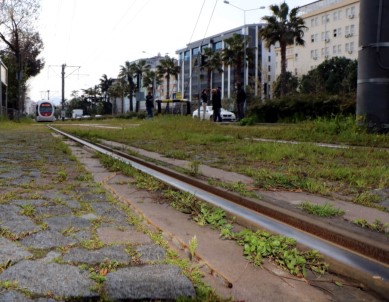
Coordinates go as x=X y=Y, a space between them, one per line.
x=360 y=253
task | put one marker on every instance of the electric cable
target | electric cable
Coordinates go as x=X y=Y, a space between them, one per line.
x=201 y=43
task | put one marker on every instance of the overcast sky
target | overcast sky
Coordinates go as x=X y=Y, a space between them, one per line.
x=96 y=37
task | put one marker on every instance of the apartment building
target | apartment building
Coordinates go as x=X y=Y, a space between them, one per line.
x=260 y=73
x=332 y=31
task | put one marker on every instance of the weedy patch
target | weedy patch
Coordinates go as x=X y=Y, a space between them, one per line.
x=9 y=284
x=147 y=182
x=377 y=225
x=326 y=210
x=193 y=244
x=92 y=244
x=182 y=201
x=6 y=233
x=27 y=210
x=260 y=244
x=194 y=168
x=237 y=187
x=61 y=176
x=367 y=199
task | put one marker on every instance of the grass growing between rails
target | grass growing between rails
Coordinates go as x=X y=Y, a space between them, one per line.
x=355 y=172
x=326 y=210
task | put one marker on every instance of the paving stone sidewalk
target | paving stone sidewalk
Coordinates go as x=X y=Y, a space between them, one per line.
x=62 y=238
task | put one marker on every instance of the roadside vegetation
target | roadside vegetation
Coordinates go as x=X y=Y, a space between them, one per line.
x=257 y=245
x=357 y=172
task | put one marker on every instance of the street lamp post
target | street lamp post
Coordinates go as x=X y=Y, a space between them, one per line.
x=245 y=80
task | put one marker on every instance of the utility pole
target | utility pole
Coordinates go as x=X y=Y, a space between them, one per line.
x=373 y=66
x=63 y=92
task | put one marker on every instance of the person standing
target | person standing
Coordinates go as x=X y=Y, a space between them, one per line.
x=149 y=104
x=240 y=100
x=204 y=101
x=216 y=105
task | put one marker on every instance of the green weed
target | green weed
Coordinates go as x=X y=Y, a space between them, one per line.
x=193 y=244
x=377 y=225
x=28 y=210
x=326 y=210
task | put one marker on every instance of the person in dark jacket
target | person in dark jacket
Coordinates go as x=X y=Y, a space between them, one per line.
x=149 y=104
x=216 y=105
x=204 y=101
x=240 y=100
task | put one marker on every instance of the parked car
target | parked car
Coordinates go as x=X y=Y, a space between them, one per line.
x=227 y=116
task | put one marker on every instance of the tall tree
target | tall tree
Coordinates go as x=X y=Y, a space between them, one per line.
x=105 y=83
x=286 y=28
x=168 y=67
x=118 y=90
x=17 y=19
x=233 y=55
x=214 y=63
x=150 y=79
x=337 y=75
x=127 y=72
x=140 y=68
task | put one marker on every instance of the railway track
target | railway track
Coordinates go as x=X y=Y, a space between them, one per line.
x=364 y=259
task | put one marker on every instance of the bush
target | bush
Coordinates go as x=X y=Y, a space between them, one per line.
x=296 y=108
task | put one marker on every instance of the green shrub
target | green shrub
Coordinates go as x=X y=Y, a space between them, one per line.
x=295 y=108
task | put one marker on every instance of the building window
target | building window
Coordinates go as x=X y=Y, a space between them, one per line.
x=325 y=19
x=352 y=29
x=186 y=55
x=339 y=49
x=218 y=45
x=314 y=54
x=269 y=68
x=334 y=49
x=195 y=51
x=269 y=59
x=269 y=78
x=335 y=32
x=350 y=12
x=351 y=47
x=313 y=38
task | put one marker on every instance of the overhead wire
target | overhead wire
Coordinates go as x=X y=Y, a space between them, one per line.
x=96 y=54
x=205 y=34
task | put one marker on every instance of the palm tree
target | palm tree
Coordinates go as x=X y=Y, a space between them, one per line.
x=150 y=79
x=168 y=67
x=285 y=28
x=116 y=90
x=127 y=72
x=139 y=69
x=214 y=62
x=233 y=54
x=105 y=83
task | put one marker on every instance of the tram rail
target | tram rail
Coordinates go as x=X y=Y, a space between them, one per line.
x=368 y=259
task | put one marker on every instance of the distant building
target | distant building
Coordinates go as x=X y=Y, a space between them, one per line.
x=333 y=31
x=260 y=73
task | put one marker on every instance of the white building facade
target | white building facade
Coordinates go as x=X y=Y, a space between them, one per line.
x=332 y=31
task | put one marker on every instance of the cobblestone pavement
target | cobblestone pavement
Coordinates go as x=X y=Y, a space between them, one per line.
x=61 y=234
